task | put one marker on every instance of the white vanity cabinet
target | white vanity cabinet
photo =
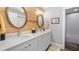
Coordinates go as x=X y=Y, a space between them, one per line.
x=39 y=43
x=46 y=41
x=26 y=46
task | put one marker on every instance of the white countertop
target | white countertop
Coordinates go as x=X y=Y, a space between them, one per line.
x=16 y=40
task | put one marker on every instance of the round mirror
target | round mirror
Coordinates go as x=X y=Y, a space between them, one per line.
x=40 y=21
x=16 y=16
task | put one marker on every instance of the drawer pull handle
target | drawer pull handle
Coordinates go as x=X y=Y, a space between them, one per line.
x=29 y=45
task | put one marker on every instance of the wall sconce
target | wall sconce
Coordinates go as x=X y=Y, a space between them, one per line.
x=39 y=11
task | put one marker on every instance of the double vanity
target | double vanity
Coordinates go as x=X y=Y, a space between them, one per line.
x=17 y=37
x=26 y=41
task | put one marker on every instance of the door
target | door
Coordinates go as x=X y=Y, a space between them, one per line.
x=72 y=29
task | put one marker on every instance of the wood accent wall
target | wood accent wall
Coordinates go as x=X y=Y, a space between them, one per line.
x=31 y=17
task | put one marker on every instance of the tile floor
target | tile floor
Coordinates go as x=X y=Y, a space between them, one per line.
x=52 y=48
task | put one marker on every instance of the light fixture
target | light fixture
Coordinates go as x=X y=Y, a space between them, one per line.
x=75 y=9
x=40 y=11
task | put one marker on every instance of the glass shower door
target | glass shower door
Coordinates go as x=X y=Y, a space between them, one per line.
x=72 y=30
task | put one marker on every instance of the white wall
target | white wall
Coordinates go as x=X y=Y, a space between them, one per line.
x=58 y=30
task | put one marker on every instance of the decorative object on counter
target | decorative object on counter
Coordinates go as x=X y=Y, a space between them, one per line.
x=16 y=16
x=2 y=37
x=43 y=29
x=33 y=30
x=40 y=21
x=55 y=20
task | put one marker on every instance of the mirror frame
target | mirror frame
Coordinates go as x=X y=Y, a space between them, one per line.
x=42 y=20
x=8 y=19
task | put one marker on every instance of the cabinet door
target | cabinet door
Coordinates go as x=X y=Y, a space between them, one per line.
x=46 y=41
x=32 y=46
x=39 y=44
x=43 y=42
x=49 y=41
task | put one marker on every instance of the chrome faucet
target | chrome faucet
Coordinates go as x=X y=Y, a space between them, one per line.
x=18 y=34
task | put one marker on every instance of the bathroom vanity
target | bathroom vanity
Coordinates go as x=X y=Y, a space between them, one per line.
x=15 y=24
x=38 y=41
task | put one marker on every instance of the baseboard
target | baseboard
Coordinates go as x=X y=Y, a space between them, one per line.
x=56 y=45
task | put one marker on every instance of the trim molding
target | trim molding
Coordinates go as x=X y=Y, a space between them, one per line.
x=56 y=45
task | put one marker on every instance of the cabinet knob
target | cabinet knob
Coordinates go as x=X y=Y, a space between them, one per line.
x=29 y=45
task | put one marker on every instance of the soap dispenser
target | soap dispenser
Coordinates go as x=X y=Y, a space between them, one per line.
x=2 y=37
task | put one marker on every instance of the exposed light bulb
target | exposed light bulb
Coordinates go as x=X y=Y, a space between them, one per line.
x=75 y=9
x=39 y=12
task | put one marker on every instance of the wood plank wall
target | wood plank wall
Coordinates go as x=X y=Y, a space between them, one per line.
x=31 y=16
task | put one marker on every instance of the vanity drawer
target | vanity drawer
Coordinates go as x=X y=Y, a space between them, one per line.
x=27 y=46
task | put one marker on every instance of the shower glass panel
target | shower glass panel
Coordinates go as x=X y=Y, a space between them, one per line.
x=72 y=28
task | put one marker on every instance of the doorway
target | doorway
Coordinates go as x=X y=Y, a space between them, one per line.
x=72 y=29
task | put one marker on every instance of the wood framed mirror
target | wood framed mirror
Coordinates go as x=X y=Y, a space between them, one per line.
x=40 y=20
x=16 y=16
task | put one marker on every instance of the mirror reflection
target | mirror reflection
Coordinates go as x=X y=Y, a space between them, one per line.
x=16 y=16
x=40 y=20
